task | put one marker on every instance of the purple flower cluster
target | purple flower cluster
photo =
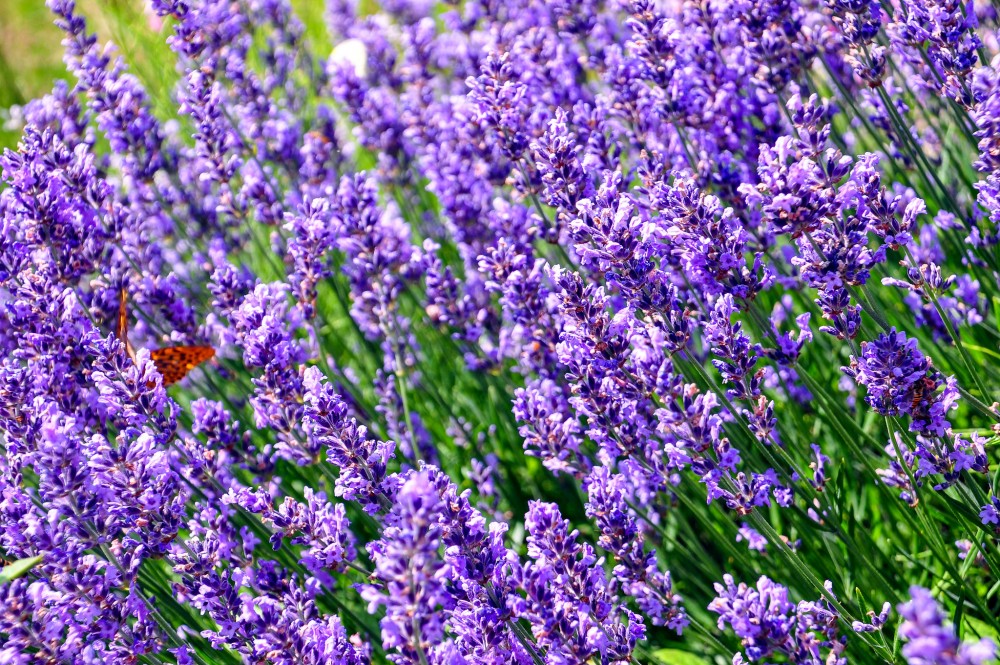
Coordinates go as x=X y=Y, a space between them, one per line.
x=902 y=381
x=929 y=639
x=990 y=513
x=946 y=31
x=860 y=21
x=875 y=621
x=636 y=569
x=571 y=605
x=769 y=624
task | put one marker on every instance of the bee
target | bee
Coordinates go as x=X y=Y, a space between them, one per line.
x=923 y=388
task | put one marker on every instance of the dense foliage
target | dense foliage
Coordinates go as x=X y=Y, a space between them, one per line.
x=606 y=331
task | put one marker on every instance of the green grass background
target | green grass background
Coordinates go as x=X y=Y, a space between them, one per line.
x=31 y=49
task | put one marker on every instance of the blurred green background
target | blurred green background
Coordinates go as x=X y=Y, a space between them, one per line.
x=31 y=49
x=30 y=58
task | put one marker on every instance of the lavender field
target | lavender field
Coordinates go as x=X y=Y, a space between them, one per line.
x=459 y=332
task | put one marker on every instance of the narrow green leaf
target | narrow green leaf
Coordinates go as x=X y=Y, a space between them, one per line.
x=19 y=568
x=678 y=657
x=979 y=628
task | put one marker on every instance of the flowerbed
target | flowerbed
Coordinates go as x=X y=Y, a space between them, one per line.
x=608 y=332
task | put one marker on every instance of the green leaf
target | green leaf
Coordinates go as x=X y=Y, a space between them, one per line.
x=19 y=568
x=678 y=657
x=897 y=644
x=963 y=510
x=979 y=627
x=959 y=613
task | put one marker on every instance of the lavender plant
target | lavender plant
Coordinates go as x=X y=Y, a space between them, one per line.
x=611 y=331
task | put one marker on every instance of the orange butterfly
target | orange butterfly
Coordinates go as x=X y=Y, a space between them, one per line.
x=173 y=362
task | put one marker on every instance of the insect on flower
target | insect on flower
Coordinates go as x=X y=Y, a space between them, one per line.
x=173 y=362
x=923 y=389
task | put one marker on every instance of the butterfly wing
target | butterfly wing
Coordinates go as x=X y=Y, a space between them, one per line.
x=121 y=328
x=174 y=362
x=121 y=331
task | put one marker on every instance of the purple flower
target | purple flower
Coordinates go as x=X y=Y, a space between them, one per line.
x=818 y=466
x=378 y=254
x=946 y=30
x=837 y=255
x=312 y=243
x=798 y=174
x=548 y=432
x=570 y=604
x=409 y=572
x=928 y=288
x=860 y=22
x=929 y=640
x=500 y=100
x=636 y=568
x=115 y=96
x=615 y=237
x=709 y=241
x=986 y=93
x=461 y=176
x=217 y=143
x=736 y=358
x=768 y=623
x=754 y=540
x=564 y=181
x=990 y=514
x=264 y=326
x=362 y=460
x=899 y=471
x=563 y=210
x=596 y=349
x=314 y=523
x=61 y=112
x=530 y=327
x=875 y=621
x=743 y=492
x=901 y=380
x=890 y=217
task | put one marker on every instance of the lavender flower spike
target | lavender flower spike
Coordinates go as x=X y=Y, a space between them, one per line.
x=930 y=641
